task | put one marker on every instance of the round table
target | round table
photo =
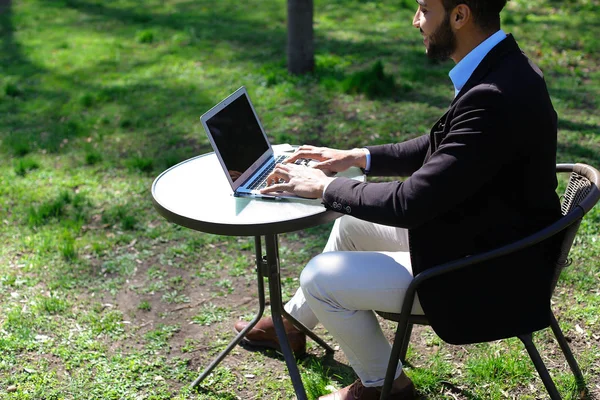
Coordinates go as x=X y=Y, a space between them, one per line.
x=197 y=195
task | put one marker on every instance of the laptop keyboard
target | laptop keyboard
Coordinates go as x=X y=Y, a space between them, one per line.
x=261 y=180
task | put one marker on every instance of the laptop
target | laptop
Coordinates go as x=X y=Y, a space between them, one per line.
x=241 y=145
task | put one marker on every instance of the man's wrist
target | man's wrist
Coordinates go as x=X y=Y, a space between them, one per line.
x=365 y=160
x=361 y=156
x=327 y=182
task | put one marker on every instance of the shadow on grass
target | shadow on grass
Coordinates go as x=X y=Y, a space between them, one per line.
x=143 y=118
x=145 y=110
x=593 y=130
x=264 y=41
x=139 y=114
x=574 y=153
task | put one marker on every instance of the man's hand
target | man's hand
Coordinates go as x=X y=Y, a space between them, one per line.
x=330 y=160
x=302 y=181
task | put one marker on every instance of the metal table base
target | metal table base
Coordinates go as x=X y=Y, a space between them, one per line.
x=269 y=266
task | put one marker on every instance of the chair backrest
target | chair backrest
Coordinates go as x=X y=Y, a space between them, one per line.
x=581 y=191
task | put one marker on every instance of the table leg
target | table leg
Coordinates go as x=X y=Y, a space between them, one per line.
x=276 y=311
x=307 y=331
x=261 y=310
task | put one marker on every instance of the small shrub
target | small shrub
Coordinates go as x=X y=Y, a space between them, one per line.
x=129 y=222
x=92 y=157
x=51 y=209
x=175 y=297
x=70 y=209
x=12 y=90
x=120 y=215
x=51 y=305
x=87 y=100
x=144 y=306
x=67 y=248
x=142 y=164
x=373 y=82
x=145 y=36
x=19 y=145
x=24 y=165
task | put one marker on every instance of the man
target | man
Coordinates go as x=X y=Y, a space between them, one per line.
x=483 y=177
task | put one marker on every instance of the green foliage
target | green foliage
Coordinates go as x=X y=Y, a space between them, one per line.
x=68 y=248
x=25 y=165
x=12 y=90
x=122 y=216
x=20 y=146
x=93 y=157
x=51 y=209
x=210 y=314
x=175 y=297
x=144 y=306
x=99 y=97
x=142 y=164
x=108 y=322
x=160 y=336
x=316 y=379
x=373 y=82
x=145 y=36
x=51 y=304
x=66 y=209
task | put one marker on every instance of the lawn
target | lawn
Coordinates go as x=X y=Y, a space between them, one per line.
x=102 y=298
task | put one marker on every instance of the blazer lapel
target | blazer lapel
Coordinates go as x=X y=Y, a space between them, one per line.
x=505 y=47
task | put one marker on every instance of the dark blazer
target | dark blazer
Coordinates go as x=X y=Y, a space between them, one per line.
x=484 y=177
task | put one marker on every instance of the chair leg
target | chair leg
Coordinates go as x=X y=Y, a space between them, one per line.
x=564 y=346
x=405 y=342
x=399 y=341
x=539 y=366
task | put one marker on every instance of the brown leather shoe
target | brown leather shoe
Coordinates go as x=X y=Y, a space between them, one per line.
x=263 y=335
x=357 y=391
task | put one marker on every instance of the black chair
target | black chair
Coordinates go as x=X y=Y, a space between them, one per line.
x=580 y=196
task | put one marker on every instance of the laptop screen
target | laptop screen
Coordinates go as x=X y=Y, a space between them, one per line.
x=238 y=136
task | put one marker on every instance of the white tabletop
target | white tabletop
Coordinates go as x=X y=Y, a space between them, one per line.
x=196 y=194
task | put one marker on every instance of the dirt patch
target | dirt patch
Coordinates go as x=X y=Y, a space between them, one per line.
x=199 y=344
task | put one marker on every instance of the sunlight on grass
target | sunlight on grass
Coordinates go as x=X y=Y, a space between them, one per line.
x=98 y=97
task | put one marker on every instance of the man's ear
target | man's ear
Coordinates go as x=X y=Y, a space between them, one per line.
x=461 y=15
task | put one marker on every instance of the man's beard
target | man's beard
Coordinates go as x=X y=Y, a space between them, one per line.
x=442 y=43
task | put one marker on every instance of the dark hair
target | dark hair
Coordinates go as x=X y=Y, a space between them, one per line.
x=486 y=13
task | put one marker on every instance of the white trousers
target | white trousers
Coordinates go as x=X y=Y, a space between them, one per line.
x=364 y=267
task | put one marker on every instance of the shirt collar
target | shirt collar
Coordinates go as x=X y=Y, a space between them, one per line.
x=462 y=71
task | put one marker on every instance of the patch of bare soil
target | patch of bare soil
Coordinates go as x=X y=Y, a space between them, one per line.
x=196 y=343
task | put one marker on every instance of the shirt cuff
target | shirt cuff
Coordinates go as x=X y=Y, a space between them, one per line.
x=368 y=163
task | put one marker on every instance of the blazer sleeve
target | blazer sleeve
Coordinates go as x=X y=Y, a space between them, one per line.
x=474 y=146
x=398 y=159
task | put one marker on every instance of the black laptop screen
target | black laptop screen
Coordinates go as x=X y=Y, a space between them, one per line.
x=238 y=136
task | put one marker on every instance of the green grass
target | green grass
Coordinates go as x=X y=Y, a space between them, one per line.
x=101 y=297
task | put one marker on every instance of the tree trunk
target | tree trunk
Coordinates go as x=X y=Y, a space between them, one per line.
x=300 y=45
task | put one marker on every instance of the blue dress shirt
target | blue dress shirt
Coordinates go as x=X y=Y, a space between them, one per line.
x=461 y=73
